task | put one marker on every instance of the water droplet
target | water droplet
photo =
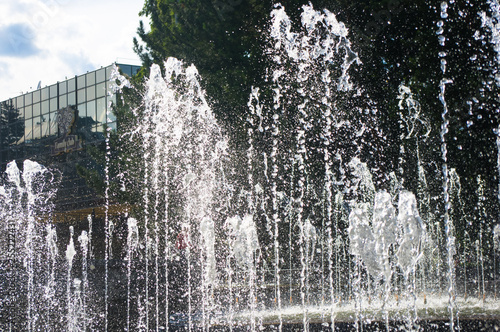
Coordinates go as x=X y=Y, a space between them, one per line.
x=441 y=39
x=444 y=7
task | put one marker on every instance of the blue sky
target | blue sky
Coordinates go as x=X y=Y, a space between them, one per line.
x=16 y=41
x=49 y=40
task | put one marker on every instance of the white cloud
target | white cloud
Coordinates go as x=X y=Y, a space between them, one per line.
x=66 y=38
x=16 y=40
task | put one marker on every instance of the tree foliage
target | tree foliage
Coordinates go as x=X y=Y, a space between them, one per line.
x=397 y=42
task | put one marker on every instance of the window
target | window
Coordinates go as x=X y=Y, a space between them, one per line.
x=20 y=101
x=63 y=101
x=45 y=126
x=53 y=124
x=126 y=69
x=101 y=110
x=81 y=96
x=36 y=96
x=27 y=130
x=62 y=88
x=80 y=82
x=28 y=112
x=99 y=129
x=53 y=105
x=112 y=100
x=37 y=127
x=53 y=91
x=91 y=92
x=101 y=75
x=71 y=98
x=91 y=78
x=45 y=107
x=91 y=110
x=82 y=110
x=71 y=85
x=36 y=109
x=109 y=70
x=101 y=89
x=28 y=99
x=45 y=93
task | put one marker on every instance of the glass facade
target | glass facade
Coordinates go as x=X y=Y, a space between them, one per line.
x=32 y=127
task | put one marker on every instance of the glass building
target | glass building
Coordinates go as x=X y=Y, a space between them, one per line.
x=56 y=125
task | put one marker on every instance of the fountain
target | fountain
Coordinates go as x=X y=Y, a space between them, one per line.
x=299 y=232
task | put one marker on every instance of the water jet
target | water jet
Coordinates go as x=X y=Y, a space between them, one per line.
x=299 y=230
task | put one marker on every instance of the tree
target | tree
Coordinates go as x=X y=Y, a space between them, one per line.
x=11 y=131
x=394 y=113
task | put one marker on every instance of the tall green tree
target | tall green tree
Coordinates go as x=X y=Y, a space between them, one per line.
x=398 y=44
x=11 y=131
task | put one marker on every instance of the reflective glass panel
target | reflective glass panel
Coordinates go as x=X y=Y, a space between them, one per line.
x=45 y=125
x=135 y=69
x=91 y=92
x=91 y=110
x=112 y=99
x=28 y=98
x=45 y=107
x=91 y=78
x=62 y=87
x=53 y=124
x=71 y=85
x=28 y=112
x=84 y=123
x=63 y=101
x=80 y=82
x=45 y=93
x=53 y=105
x=101 y=89
x=82 y=111
x=126 y=69
x=27 y=130
x=101 y=110
x=81 y=96
x=36 y=96
x=37 y=127
x=108 y=72
x=111 y=116
x=20 y=101
x=71 y=98
x=36 y=109
x=101 y=75
x=53 y=91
